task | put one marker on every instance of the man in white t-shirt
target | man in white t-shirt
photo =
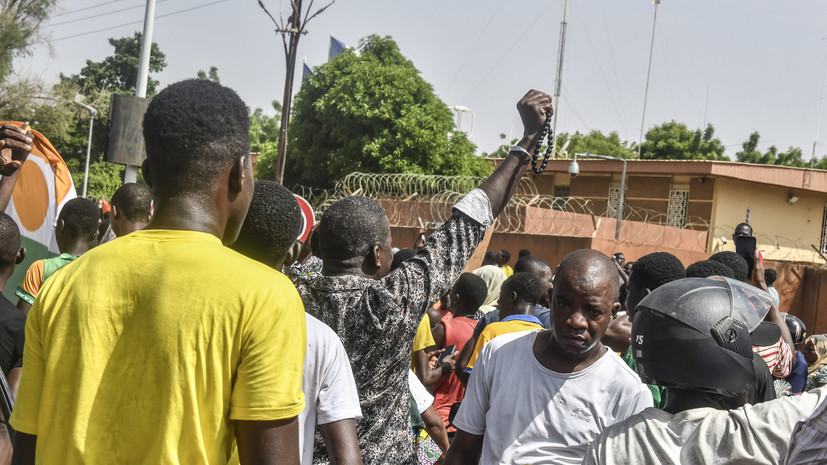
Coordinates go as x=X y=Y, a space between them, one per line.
x=692 y=337
x=331 y=401
x=541 y=397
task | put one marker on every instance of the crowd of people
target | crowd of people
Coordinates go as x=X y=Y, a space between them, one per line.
x=195 y=327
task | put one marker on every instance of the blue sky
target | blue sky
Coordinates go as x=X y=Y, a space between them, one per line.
x=742 y=65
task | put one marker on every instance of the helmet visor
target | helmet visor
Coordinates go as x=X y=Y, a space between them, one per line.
x=749 y=303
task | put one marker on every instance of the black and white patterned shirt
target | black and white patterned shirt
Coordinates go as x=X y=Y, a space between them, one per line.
x=377 y=321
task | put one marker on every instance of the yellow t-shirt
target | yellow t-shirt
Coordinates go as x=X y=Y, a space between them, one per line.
x=507 y=270
x=148 y=348
x=423 y=339
x=490 y=332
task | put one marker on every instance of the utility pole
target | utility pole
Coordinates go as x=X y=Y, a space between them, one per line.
x=131 y=172
x=561 y=49
x=648 y=73
x=290 y=33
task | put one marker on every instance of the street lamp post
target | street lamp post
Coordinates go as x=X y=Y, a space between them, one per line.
x=574 y=170
x=92 y=113
x=460 y=110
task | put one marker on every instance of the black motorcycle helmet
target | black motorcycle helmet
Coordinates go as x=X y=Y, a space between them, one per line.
x=694 y=334
x=797 y=328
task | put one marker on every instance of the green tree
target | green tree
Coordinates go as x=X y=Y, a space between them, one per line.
x=598 y=143
x=118 y=73
x=749 y=153
x=674 y=141
x=373 y=112
x=212 y=75
x=20 y=22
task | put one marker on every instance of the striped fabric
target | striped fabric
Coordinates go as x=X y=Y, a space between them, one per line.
x=779 y=358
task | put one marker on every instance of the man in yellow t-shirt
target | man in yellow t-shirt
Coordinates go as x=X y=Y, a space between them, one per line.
x=173 y=362
x=518 y=297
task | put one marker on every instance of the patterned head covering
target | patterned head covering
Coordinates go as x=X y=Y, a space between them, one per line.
x=820 y=343
x=493 y=277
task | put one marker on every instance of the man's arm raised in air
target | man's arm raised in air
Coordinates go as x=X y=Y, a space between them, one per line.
x=500 y=186
x=268 y=442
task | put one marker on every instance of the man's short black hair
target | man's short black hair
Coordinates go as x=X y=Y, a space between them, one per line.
x=506 y=255
x=193 y=130
x=707 y=268
x=525 y=285
x=744 y=225
x=9 y=240
x=133 y=200
x=400 y=256
x=770 y=276
x=523 y=253
x=80 y=217
x=273 y=223
x=351 y=227
x=735 y=262
x=530 y=264
x=472 y=289
x=656 y=269
x=490 y=258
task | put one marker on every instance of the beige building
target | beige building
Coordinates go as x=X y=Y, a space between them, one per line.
x=787 y=207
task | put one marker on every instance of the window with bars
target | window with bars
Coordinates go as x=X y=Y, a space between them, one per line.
x=561 y=198
x=824 y=232
x=678 y=205
x=614 y=195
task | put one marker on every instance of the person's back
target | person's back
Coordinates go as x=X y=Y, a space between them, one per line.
x=175 y=364
x=76 y=228
x=168 y=355
x=268 y=235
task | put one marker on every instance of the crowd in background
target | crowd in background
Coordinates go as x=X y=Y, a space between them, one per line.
x=188 y=324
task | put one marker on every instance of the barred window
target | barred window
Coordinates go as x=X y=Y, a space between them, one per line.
x=678 y=205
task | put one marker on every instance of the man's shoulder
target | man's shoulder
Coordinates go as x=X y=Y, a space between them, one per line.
x=10 y=315
x=622 y=372
x=318 y=332
x=504 y=344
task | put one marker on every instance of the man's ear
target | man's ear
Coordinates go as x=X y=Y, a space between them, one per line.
x=59 y=225
x=238 y=174
x=376 y=256
x=646 y=291
x=115 y=212
x=21 y=255
x=615 y=308
x=145 y=172
x=293 y=252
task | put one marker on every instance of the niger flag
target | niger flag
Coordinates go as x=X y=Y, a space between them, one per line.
x=42 y=189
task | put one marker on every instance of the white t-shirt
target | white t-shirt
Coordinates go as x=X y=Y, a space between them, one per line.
x=754 y=434
x=530 y=414
x=419 y=393
x=329 y=389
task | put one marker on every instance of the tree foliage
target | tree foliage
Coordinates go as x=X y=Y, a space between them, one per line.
x=20 y=22
x=674 y=141
x=118 y=73
x=749 y=153
x=598 y=143
x=373 y=112
x=66 y=124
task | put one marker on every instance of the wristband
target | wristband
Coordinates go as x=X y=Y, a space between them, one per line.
x=517 y=148
x=446 y=369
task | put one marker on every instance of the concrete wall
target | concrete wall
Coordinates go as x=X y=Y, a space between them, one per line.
x=784 y=231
